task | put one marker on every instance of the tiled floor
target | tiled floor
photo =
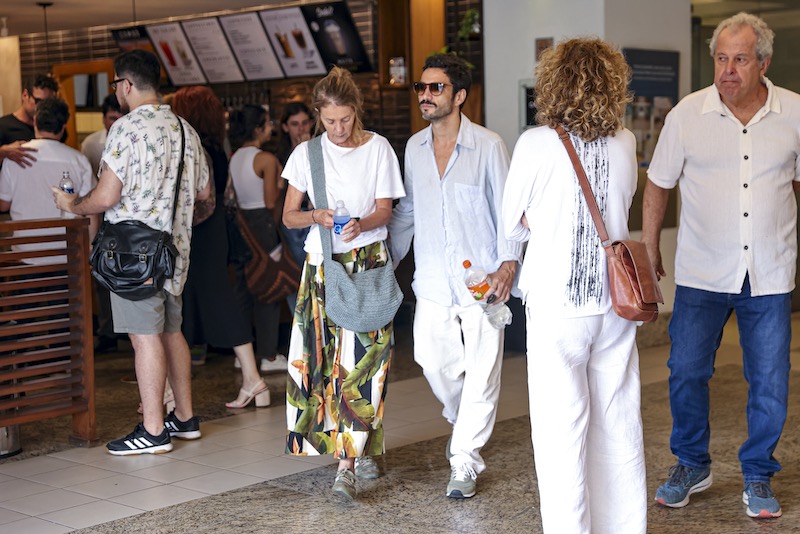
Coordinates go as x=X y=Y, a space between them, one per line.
x=83 y=487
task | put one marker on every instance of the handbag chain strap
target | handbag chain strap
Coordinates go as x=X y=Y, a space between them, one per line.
x=315 y=157
x=586 y=188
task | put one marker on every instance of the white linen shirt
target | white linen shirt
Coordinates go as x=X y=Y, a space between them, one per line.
x=455 y=217
x=565 y=270
x=738 y=208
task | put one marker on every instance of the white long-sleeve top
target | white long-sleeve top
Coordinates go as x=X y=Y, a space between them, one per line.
x=564 y=272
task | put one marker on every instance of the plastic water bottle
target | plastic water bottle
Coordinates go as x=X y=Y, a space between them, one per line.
x=340 y=217
x=66 y=185
x=478 y=284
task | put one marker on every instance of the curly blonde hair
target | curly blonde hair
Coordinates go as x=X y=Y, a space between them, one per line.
x=582 y=84
x=339 y=88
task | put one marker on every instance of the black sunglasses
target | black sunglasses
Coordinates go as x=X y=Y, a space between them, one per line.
x=114 y=83
x=436 y=88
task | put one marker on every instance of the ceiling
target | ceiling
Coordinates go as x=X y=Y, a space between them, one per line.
x=25 y=16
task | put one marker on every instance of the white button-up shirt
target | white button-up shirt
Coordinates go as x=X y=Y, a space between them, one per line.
x=455 y=217
x=738 y=208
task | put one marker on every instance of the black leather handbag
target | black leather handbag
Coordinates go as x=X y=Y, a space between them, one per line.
x=132 y=259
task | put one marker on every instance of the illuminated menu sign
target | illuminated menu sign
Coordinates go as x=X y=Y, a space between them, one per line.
x=251 y=46
x=336 y=36
x=290 y=37
x=212 y=50
x=176 y=54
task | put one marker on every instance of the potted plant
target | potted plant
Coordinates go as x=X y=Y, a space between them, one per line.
x=470 y=26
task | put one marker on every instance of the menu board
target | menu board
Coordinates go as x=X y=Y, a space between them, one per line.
x=290 y=37
x=336 y=36
x=212 y=50
x=176 y=54
x=251 y=47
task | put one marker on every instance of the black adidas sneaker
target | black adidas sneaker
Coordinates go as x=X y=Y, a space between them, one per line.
x=182 y=429
x=140 y=441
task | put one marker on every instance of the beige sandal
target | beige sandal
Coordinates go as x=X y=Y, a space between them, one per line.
x=260 y=393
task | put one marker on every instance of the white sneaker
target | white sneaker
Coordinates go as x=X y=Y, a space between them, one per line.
x=279 y=365
x=462 y=482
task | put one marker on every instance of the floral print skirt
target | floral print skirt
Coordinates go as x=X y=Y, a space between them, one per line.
x=337 y=378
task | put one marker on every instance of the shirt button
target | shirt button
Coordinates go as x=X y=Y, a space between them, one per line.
x=746 y=214
x=746 y=247
x=744 y=131
x=747 y=157
x=745 y=186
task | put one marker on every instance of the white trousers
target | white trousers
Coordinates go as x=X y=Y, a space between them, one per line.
x=461 y=355
x=586 y=425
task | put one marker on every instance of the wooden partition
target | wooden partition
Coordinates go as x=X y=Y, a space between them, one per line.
x=46 y=351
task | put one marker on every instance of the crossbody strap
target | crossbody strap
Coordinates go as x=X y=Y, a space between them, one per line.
x=317 y=162
x=180 y=173
x=585 y=187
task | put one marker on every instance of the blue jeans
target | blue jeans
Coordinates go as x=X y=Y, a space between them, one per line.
x=765 y=332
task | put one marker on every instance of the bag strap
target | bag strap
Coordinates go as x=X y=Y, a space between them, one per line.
x=317 y=162
x=180 y=173
x=586 y=188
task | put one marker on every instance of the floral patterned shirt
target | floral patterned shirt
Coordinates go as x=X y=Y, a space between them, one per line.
x=143 y=151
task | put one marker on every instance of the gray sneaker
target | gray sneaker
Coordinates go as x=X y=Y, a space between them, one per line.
x=345 y=484
x=366 y=467
x=462 y=482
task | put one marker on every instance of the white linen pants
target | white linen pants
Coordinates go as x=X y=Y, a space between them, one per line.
x=461 y=355
x=586 y=425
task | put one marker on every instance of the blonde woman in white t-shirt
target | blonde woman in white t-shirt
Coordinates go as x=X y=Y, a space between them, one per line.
x=337 y=378
x=583 y=364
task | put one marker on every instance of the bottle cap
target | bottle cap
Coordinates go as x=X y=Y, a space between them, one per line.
x=467 y=264
x=340 y=203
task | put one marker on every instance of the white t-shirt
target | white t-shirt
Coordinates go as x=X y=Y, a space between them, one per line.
x=92 y=147
x=357 y=176
x=28 y=188
x=738 y=208
x=564 y=273
x=143 y=151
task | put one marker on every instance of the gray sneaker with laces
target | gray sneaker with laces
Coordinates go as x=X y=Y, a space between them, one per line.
x=761 y=502
x=366 y=467
x=462 y=482
x=345 y=484
x=683 y=481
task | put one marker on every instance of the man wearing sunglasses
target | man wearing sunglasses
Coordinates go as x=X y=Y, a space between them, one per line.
x=455 y=172
x=17 y=128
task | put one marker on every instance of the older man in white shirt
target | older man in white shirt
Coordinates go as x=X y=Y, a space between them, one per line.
x=733 y=149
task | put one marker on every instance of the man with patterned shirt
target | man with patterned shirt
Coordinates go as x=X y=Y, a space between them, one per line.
x=137 y=182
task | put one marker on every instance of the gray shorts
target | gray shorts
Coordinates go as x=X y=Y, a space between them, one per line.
x=155 y=315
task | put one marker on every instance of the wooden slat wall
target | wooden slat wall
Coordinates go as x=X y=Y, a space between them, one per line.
x=46 y=351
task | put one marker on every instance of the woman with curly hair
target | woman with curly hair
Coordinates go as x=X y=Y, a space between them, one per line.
x=583 y=364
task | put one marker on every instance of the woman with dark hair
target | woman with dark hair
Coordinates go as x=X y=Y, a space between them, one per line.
x=256 y=180
x=337 y=377
x=583 y=364
x=211 y=313
x=296 y=122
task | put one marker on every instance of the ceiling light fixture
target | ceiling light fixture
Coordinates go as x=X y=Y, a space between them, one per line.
x=44 y=6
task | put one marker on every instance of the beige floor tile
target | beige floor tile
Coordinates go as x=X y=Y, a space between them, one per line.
x=274 y=467
x=269 y=447
x=126 y=464
x=219 y=481
x=236 y=437
x=34 y=525
x=17 y=488
x=8 y=516
x=229 y=458
x=93 y=513
x=71 y=476
x=173 y=472
x=157 y=497
x=49 y=501
x=184 y=450
x=115 y=485
x=34 y=466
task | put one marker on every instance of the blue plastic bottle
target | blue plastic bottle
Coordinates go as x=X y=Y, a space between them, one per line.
x=340 y=217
